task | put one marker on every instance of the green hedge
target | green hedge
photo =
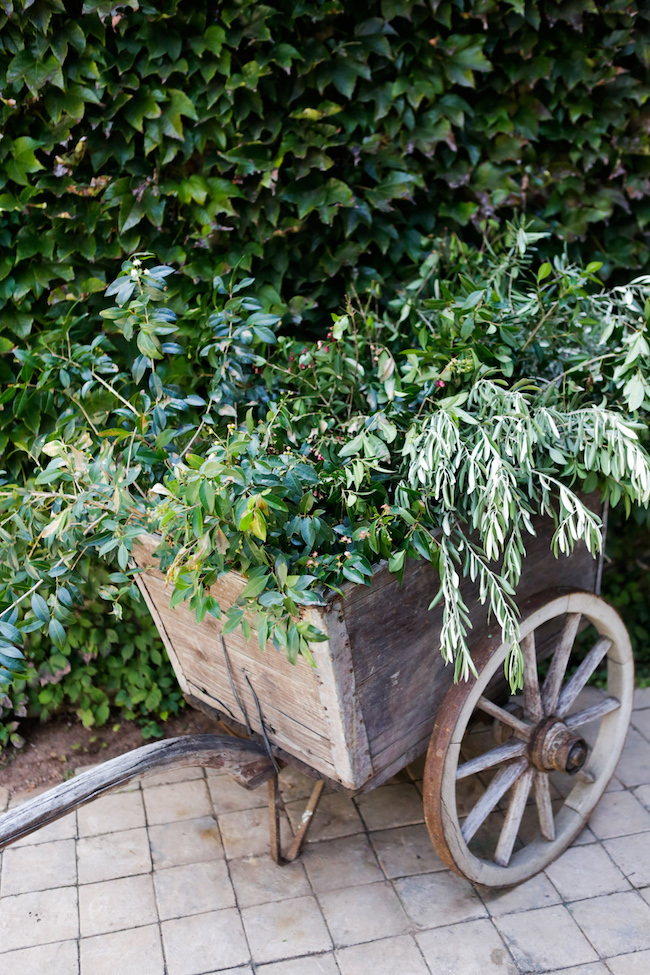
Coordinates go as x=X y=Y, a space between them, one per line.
x=311 y=141
x=105 y=668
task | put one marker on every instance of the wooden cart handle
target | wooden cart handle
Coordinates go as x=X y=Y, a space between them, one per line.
x=246 y=761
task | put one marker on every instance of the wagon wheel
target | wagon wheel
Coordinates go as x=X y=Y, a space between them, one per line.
x=531 y=747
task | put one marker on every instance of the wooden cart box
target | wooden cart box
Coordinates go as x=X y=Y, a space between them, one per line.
x=368 y=707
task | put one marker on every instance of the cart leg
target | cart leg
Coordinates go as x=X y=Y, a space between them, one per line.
x=307 y=818
x=274 y=820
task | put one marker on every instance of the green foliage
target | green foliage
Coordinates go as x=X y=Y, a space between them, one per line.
x=432 y=430
x=101 y=668
x=315 y=143
x=626 y=583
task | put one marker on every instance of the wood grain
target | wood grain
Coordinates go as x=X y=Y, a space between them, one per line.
x=247 y=762
x=288 y=695
x=368 y=707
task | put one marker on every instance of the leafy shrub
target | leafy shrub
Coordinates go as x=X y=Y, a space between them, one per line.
x=316 y=143
x=626 y=583
x=103 y=668
x=432 y=431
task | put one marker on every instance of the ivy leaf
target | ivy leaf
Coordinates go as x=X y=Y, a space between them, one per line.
x=179 y=105
x=143 y=105
x=22 y=159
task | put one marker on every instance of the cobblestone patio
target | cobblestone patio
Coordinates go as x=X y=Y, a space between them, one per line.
x=173 y=877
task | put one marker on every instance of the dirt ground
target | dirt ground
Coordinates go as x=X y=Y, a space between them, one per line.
x=53 y=751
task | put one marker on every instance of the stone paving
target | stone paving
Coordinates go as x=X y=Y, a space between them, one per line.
x=172 y=877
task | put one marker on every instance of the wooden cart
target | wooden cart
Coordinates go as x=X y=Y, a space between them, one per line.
x=509 y=781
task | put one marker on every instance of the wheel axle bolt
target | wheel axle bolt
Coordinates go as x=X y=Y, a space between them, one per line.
x=576 y=758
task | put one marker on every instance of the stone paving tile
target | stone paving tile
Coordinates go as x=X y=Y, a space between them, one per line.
x=473 y=948
x=175 y=775
x=115 y=905
x=61 y=829
x=386 y=957
x=258 y=880
x=593 y=968
x=285 y=930
x=436 y=899
x=336 y=816
x=391 y=805
x=23 y=795
x=643 y=795
x=308 y=965
x=295 y=785
x=60 y=958
x=641 y=721
x=229 y=796
x=370 y=920
x=190 y=841
x=347 y=862
x=536 y=892
x=193 y=888
x=584 y=836
x=246 y=833
x=586 y=871
x=108 y=814
x=619 y=814
x=634 y=766
x=545 y=939
x=615 y=923
x=637 y=963
x=137 y=951
x=38 y=867
x=38 y=918
x=215 y=939
x=363 y=913
x=632 y=854
x=113 y=855
x=405 y=851
x=171 y=803
x=642 y=698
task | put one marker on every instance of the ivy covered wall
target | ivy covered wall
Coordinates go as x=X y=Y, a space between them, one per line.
x=314 y=142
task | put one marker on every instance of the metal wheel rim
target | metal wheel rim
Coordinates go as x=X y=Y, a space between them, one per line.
x=460 y=704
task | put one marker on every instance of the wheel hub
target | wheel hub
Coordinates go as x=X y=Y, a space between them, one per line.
x=553 y=747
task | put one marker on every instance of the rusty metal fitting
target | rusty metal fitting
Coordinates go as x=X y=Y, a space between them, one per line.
x=554 y=747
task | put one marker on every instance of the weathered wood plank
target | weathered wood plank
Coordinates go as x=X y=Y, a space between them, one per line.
x=247 y=762
x=400 y=676
x=338 y=697
x=234 y=676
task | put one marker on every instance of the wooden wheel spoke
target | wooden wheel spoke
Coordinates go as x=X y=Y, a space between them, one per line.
x=573 y=687
x=514 y=817
x=505 y=824
x=510 y=749
x=533 y=709
x=599 y=710
x=544 y=807
x=498 y=787
x=557 y=669
x=505 y=717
